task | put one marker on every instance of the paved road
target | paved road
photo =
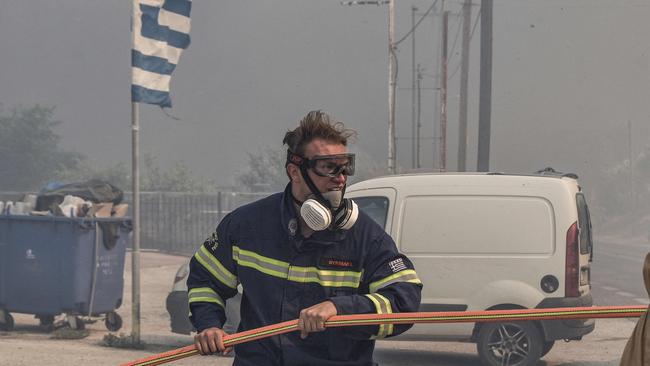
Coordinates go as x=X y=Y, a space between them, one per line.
x=616 y=273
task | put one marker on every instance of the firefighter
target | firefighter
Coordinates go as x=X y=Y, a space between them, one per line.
x=305 y=253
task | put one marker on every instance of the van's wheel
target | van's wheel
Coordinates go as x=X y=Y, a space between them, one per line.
x=7 y=323
x=509 y=344
x=547 y=348
x=113 y=321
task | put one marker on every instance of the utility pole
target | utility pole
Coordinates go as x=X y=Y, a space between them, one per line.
x=631 y=175
x=485 y=99
x=443 y=91
x=392 y=152
x=464 y=76
x=413 y=91
x=419 y=124
x=436 y=102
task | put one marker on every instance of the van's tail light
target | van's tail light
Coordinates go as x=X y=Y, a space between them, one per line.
x=572 y=269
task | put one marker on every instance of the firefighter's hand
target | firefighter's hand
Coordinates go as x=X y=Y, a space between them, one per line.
x=313 y=318
x=210 y=341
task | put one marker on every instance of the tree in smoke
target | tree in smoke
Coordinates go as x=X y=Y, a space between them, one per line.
x=176 y=178
x=265 y=170
x=29 y=147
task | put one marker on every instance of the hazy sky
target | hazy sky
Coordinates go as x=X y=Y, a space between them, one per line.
x=568 y=75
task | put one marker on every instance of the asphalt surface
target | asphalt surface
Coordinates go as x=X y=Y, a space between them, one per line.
x=616 y=277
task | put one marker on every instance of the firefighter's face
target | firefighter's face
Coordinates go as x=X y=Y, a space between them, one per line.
x=317 y=147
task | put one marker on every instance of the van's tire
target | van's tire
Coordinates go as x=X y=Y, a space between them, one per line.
x=511 y=344
x=547 y=347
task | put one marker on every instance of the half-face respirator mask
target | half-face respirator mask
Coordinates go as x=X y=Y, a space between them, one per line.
x=328 y=210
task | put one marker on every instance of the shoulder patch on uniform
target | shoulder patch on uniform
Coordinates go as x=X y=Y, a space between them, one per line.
x=212 y=241
x=397 y=265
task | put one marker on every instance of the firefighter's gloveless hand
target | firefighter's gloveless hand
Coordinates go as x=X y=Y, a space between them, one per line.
x=210 y=341
x=312 y=319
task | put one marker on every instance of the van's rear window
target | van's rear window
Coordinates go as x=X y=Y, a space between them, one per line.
x=375 y=207
x=584 y=222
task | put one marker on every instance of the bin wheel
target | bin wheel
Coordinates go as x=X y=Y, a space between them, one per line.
x=113 y=321
x=76 y=323
x=46 y=322
x=7 y=323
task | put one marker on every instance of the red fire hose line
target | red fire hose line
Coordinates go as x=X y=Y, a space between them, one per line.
x=409 y=318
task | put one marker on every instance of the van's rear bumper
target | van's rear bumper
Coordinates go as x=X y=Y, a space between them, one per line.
x=572 y=329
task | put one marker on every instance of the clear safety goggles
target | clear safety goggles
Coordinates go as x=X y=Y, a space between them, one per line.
x=326 y=165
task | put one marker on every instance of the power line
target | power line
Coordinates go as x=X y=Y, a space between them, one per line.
x=478 y=15
x=361 y=2
x=453 y=46
x=417 y=24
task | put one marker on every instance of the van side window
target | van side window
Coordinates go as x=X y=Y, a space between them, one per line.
x=584 y=222
x=375 y=207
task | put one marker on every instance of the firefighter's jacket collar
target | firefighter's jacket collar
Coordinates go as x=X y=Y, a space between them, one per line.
x=291 y=225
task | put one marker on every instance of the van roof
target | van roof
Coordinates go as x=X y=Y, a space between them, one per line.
x=462 y=178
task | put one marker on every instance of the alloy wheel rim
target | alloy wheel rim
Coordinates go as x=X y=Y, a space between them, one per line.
x=509 y=345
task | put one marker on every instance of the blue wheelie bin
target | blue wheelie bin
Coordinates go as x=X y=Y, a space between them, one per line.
x=53 y=265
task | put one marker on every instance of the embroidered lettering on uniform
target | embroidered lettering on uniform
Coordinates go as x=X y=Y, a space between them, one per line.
x=397 y=265
x=338 y=263
x=212 y=241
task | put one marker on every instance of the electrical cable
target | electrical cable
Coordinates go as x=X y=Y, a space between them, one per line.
x=470 y=39
x=416 y=24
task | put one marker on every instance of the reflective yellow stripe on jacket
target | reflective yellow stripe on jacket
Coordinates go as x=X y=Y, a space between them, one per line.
x=212 y=265
x=280 y=269
x=205 y=294
x=382 y=304
x=407 y=275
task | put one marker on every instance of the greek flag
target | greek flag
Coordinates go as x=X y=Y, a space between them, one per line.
x=161 y=32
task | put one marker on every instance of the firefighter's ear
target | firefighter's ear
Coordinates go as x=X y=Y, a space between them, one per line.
x=294 y=173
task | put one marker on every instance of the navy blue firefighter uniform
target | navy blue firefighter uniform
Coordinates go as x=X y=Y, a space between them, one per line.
x=260 y=247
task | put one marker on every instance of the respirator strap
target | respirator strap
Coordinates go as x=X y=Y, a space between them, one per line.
x=297 y=201
x=312 y=187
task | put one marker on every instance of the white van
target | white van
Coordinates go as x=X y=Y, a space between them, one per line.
x=487 y=241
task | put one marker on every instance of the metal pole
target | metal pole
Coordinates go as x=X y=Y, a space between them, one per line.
x=631 y=175
x=391 y=89
x=436 y=104
x=135 y=188
x=135 y=255
x=485 y=99
x=443 y=93
x=413 y=91
x=419 y=114
x=464 y=72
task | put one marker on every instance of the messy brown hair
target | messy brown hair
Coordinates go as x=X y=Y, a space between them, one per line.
x=317 y=125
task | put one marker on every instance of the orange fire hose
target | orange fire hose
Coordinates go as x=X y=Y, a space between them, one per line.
x=408 y=318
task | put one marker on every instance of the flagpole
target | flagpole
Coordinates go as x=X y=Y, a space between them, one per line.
x=135 y=189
